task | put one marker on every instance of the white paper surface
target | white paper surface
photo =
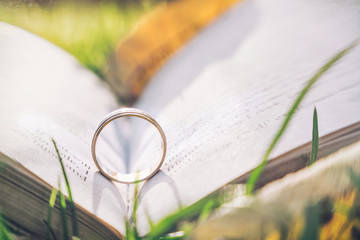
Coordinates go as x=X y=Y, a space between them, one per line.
x=44 y=94
x=219 y=126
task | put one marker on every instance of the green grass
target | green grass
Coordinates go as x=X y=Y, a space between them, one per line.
x=353 y=214
x=192 y=214
x=72 y=204
x=90 y=33
x=52 y=200
x=256 y=173
x=311 y=229
x=4 y=231
x=202 y=209
x=63 y=214
x=315 y=139
x=87 y=31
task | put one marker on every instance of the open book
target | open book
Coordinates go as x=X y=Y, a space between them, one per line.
x=219 y=101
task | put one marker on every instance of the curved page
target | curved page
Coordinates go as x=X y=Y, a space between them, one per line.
x=45 y=93
x=220 y=121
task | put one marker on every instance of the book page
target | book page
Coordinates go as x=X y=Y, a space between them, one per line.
x=220 y=122
x=45 y=93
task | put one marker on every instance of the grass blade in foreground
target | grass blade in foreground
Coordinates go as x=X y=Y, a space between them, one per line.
x=132 y=233
x=312 y=222
x=72 y=205
x=4 y=232
x=255 y=174
x=63 y=214
x=169 y=223
x=52 y=199
x=315 y=139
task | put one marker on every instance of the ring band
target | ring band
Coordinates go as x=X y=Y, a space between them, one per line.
x=128 y=177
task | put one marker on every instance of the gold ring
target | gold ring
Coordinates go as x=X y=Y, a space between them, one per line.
x=128 y=177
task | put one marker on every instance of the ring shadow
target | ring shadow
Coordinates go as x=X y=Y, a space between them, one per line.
x=160 y=177
x=99 y=188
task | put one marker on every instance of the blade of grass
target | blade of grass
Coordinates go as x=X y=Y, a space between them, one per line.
x=136 y=202
x=50 y=229
x=312 y=222
x=315 y=139
x=72 y=205
x=206 y=211
x=354 y=212
x=130 y=223
x=169 y=223
x=63 y=214
x=354 y=178
x=150 y=222
x=4 y=232
x=52 y=199
x=172 y=238
x=2 y=166
x=129 y=231
x=255 y=174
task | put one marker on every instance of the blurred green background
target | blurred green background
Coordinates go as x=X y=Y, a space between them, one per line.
x=88 y=29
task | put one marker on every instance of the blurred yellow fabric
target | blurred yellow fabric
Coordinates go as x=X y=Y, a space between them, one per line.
x=155 y=39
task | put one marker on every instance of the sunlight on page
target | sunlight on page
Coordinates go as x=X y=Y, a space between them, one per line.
x=219 y=126
x=45 y=93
